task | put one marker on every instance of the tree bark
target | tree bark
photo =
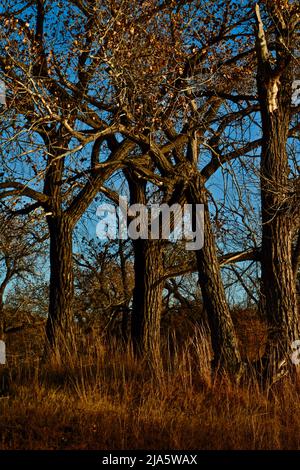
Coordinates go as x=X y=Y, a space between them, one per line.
x=60 y=317
x=278 y=302
x=223 y=336
x=148 y=287
x=147 y=298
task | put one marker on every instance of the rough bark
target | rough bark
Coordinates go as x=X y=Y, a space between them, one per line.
x=147 y=293
x=147 y=298
x=278 y=288
x=60 y=318
x=223 y=336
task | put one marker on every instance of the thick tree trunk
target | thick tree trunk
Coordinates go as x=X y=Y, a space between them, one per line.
x=148 y=287
x=147 y=298
x=278 y=290
x=223 y=336
x=60 y=317
x=278 y=302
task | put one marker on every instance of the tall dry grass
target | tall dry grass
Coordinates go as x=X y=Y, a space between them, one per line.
x=100 y=397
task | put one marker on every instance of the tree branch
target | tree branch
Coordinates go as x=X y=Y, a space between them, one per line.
x=218 y=160
x=253 y=254
x=20 y=189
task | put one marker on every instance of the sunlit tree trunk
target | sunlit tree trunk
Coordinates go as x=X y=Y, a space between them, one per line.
x=279 y=206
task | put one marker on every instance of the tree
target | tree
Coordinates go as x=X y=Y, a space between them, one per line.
x=279 y=193
x=165 y=92
x=182 y=111
x=149 y=283
x=103 y=285
x=54 y=120
x=20 y=246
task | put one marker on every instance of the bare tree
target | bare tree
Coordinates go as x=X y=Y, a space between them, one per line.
x=279 y=194
x=20 y=246
x=185 y=105
x=53 y=129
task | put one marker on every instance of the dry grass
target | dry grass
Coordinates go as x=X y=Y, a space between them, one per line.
x=102 y=398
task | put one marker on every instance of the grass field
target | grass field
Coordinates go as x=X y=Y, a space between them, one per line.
x=100 y=397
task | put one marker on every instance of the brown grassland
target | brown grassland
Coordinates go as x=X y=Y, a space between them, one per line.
x=100 y=397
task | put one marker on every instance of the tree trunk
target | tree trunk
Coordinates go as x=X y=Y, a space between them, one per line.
x=223 y=336
x=60 y=317
x=278 y=302
x=147 y=298
x=278 y=291
x=148 y=287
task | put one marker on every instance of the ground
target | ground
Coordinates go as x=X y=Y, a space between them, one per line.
x=100 y=397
